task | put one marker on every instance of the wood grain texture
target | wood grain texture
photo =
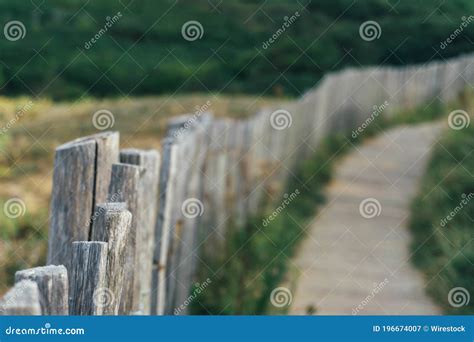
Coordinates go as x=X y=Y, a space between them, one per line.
x=185 y=267
x=72 y=199
x=89 y=294
x=167 y=191
x=148 y=197
x=124 y=187
x=52 y=284
x=22 y=299
x=112 y=225
x=82 y=171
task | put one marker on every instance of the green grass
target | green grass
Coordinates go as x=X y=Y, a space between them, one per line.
x=444 y=249
x=257 y=257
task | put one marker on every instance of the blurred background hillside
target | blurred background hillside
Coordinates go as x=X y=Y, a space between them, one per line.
x=143 y=51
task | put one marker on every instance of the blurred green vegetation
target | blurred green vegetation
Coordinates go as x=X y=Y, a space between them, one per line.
x=143 y=51
x=443 y=249
x=257 y=258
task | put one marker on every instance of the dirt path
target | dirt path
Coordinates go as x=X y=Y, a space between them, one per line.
x=353 y=263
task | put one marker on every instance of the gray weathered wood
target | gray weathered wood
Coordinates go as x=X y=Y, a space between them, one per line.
x=82 y=171
x=22 y=299
x=167 y=190
x=72 y=199
x=52 y=284
x=89 y=294
x=112 y=225
x=148 y=197
x=124 y=187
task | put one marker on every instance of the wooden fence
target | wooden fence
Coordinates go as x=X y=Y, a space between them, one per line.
x=127 y=226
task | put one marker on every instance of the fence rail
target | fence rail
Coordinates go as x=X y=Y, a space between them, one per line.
x=127 y=226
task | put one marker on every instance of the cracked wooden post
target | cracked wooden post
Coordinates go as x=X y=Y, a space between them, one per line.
x=23 y=299
x=148 y=197
x=112 y=225
x=52 y=284
x=124 y=188
x=89 y=294
x=82 y=171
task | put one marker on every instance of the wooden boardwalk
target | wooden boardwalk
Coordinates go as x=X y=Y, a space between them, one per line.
x=351 y=264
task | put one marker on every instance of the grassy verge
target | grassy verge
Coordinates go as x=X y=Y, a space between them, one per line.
x=442 y=221
x=258 y=256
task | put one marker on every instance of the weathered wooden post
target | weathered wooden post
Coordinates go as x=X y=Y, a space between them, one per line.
x=82 y=171
x=22 y=299
x=148 y=197
x=112 y=225
x=52 y=284
x=124 y=187
x=167 y=189
x=89 y=294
